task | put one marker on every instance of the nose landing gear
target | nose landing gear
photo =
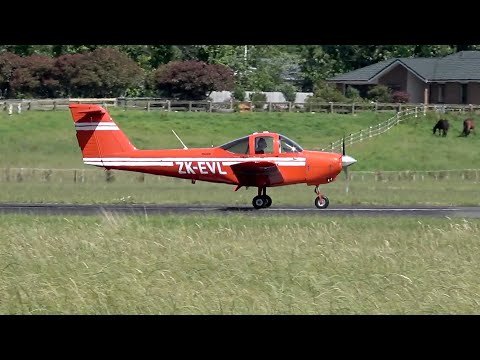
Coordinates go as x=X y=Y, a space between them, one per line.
x=321 y=201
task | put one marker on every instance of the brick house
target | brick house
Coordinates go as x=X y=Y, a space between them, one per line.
x=453 y=79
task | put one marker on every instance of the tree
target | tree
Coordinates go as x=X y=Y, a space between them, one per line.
x=192 y=80
x=8 y=63
x=106 y=72
x=316 y=64
x=34 y=77
x=66 y=71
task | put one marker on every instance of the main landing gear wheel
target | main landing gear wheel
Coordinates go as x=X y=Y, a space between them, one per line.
x=321 y=202
x=262 y=201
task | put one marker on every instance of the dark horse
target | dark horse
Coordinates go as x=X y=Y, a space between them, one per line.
x=468 y=127
x=442 y=127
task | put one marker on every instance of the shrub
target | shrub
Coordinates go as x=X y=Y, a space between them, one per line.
x=324 y=92
x=289 y=92
x=400 y=97
x=258 y=99
x=239 y=94
x=380 y=93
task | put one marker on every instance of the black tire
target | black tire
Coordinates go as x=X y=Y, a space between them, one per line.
x=268 y=201
x=322 y=202
x=258 y=202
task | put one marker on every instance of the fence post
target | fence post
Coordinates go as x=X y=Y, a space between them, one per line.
x=331 y=107
x=353 y=108
x=189 y=106
x=169 y=105
x=289 y=106
x=54 y=105
x=209 y=105
x=270 y=106
x=148 y=105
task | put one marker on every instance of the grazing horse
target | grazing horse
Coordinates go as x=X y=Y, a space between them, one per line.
x=442 y=126
x=468 y=127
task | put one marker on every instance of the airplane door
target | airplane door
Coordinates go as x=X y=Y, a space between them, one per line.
x=264 y=145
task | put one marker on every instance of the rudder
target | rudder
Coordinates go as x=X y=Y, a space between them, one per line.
x=97 y=134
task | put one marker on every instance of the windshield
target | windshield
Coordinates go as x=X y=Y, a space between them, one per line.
x=287 y=145
x=239 y=146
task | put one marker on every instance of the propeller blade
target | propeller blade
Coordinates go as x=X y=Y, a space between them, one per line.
x=343 y=145
x=346 y=178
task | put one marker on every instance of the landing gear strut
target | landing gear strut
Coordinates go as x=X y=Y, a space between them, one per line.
x=321 y=201
x=262 y=200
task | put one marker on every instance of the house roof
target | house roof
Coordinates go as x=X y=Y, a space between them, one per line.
x=461 y=66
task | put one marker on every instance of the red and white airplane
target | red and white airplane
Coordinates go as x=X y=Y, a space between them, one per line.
x=259 y=160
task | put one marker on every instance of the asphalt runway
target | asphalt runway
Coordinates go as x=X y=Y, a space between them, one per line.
x=152 y=209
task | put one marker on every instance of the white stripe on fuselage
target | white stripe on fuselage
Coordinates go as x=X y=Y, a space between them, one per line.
x=173 y=161
x=229 y=159
x=129 y=163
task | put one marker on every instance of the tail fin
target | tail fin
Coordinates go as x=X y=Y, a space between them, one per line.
x=97 y=134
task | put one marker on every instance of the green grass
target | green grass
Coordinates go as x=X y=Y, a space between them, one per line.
x=172 y=191
x=47 y=139
x=238 y=265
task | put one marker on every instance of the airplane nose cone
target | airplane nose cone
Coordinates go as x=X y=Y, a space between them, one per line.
x=347 y=160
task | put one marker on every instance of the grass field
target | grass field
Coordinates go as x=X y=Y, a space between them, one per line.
x=171 y=191
x=238 y=265
x=47 y=139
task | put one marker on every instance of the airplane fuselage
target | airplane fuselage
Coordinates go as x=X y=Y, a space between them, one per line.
x=214 y=165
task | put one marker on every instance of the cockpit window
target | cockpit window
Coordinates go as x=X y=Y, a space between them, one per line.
x=288 y=146
x=239 y=146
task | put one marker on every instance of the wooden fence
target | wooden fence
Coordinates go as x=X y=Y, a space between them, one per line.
x=155 y=104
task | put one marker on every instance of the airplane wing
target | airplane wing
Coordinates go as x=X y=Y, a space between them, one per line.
x=257 y=173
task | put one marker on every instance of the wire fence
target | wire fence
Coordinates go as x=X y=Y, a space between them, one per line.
x=37 y=175
x=372 y=131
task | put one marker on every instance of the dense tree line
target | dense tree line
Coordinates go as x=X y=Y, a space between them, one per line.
x=186 y=71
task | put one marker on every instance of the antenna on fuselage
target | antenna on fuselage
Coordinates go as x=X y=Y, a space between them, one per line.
x=184 y=146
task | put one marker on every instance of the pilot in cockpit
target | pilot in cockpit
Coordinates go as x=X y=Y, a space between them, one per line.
x=261 y=146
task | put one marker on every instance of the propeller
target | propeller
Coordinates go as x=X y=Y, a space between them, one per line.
x=346 y=162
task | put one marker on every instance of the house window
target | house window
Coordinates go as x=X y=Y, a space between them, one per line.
x=463 y=93
x=394 y=87
x=441 y=92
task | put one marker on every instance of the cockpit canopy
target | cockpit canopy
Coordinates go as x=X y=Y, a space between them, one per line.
x=275 y=144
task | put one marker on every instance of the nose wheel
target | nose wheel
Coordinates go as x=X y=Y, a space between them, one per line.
x=321 y=201
x=262 y=200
